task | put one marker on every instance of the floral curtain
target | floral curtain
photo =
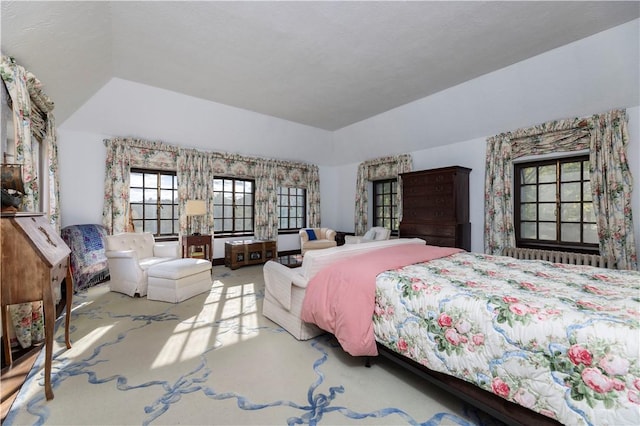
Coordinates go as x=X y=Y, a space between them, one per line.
x=15 y=78
x=612 y=184
x=377 y=169
x=196 y=171
x=266 y=201
x=35 y=136
x=606 y=137
x=195 y=182
x=122 y=155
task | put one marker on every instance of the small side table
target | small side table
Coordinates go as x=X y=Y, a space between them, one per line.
x=340 y=237
x=196 y=246
x=291 y=260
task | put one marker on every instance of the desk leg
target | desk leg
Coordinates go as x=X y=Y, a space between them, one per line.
x=69 y=301
x=49 y=319
x=8 y=356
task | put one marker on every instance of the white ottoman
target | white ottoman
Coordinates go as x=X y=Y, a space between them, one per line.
x=178 y=280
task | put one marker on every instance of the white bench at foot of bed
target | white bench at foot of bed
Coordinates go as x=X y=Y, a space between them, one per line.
x=285 y=287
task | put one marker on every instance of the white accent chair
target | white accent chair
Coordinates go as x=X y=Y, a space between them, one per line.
x=130 y=255
x=325 y=238
x=376 y=233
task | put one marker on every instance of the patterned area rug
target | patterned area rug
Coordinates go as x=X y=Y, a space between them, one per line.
x=214 y=359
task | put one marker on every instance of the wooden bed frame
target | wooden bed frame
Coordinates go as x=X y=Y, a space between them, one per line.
x=501 y=409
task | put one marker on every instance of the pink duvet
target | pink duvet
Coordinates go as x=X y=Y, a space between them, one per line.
x=340 y=298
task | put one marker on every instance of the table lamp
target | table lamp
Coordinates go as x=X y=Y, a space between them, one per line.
x=194 y=208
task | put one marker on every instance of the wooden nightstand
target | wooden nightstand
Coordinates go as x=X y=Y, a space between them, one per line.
x=197 y=246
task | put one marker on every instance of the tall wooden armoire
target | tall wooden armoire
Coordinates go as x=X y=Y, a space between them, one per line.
x=435 y=206
x=35 y=260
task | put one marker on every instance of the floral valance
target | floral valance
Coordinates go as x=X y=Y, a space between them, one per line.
x=196 y=170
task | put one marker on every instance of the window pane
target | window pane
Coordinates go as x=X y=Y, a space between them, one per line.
x=547 y=173
x=166 y=211
x=227 y=225
x=217 y=225
x=136 y=211
x=528 y=175
x=528 y=230
x=150 y=212
x=585 y=170
x=570 y=232
x=587 y=212
x=166 y=181
x=528 y=194
x=570 y=212
x=586 y=191
x=135 y=179
x=547 y=212
x=135 y=195
x=547 y=231
x=239 y=224
x=151 y=226
x=570 y=171
x=151 y=180
x=166 y=227
x=150 y=195
x=166 y=196
x=570 y=191
x=590 y=233
x=547 y=192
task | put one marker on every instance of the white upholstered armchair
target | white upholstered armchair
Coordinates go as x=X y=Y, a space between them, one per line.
x=376 y=233
x=317 y=238
x=130 y=255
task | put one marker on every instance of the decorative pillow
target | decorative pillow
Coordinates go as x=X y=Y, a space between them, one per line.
x=312 y=234
x=369 y=235
x=380 y=234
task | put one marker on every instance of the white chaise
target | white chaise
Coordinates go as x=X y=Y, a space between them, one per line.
x=285 y=287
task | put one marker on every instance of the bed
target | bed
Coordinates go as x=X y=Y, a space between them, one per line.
x=560 y=341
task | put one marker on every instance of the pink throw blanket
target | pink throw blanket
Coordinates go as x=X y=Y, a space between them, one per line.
x=341 y=298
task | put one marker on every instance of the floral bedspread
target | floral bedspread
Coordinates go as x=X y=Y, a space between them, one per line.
x=562 y=340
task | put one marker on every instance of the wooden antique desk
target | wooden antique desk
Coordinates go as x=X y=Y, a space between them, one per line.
x=35 y=260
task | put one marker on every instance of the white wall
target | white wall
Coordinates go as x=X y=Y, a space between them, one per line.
x=586 y=77
x=127 y=109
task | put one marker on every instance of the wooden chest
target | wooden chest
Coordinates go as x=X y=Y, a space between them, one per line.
x=248 y=252
x=435 y=206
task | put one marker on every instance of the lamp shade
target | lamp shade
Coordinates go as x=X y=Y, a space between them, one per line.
x=195 y=208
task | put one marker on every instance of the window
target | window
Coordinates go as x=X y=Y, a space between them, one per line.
x=553 y=205
x=385 y=205
x=233 y=206
x=153 y=198
x=292 y=210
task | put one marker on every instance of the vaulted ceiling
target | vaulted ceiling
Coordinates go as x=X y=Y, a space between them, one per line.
x=325 y=64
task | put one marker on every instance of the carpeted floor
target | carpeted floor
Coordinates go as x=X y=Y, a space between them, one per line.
x=214 y=359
